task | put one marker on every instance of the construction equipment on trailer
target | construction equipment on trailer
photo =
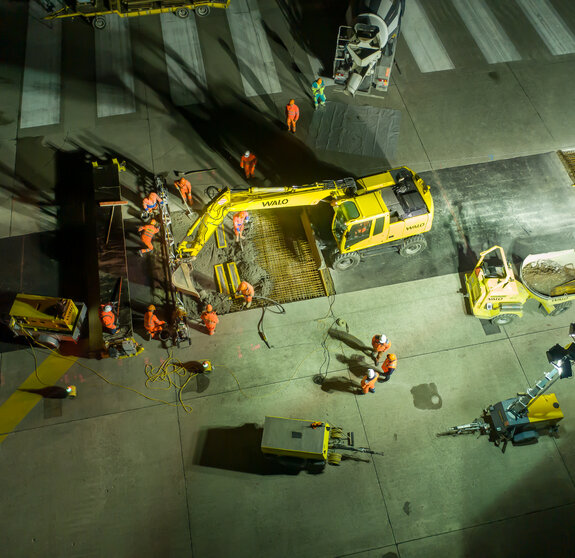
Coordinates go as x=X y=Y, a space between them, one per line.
x=365 y=50
x=495 y=294
x=390 y=210
x=299 y=444
x=522 y=419
x=46 y=319
x=96 y=10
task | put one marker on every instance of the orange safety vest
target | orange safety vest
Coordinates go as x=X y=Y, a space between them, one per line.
x=151 y=320
x=210 y=319
x=108 y=319
x=292 y=112
x=251 y=160
x=379 y=347
x=183 y=185
x=248 y=291
x=370 y=384
x=149 y=231
x=388 y=366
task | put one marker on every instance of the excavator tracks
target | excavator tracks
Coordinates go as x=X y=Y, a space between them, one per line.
x=289 y=261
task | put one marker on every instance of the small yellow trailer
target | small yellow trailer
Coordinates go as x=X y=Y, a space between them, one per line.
x=298 y=444
x=495 y=294
x=96 y=10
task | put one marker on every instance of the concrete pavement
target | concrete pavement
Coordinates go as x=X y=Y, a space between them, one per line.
x=133 y=476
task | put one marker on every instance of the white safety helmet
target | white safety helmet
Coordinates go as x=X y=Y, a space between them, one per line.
x=370 y=373
x=382 y=338
x=107 y=308
x=247 y=154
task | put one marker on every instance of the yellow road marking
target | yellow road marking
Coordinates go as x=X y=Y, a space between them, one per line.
x=20 y=403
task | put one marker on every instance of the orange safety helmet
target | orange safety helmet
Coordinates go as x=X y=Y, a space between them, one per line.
x=209 y=308
x=319 y=81
x=153 y=196
x=292 y=102
x=151 y=307
x=391 y=357
x=153 y=222
x=243 y=285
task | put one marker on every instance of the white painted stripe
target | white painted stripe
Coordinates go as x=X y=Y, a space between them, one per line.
x=550 y=27
x=41 y=84
x=115 y=89
x=257 y=68
x=423 y=41
x=186 y=72
x=486 y=30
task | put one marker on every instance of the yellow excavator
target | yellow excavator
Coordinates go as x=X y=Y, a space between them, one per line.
x=391 y=209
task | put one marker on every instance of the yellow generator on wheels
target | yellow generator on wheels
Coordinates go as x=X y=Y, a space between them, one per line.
x=96 y=11
x=495 y=294
x=297 y=444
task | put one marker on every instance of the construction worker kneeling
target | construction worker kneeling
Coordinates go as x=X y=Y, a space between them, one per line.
x=151 y=322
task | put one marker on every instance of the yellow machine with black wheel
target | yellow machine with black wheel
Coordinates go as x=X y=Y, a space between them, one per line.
x=48 y=320
x=495 y=294
x=298 y=444
x=97 y=10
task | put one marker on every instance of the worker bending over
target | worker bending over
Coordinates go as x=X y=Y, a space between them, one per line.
x=148 y=231
x=388 y=367
x=185 y=188
x=151 y=202
x=368 y=381
x=317 y=89
x=292 y=112
x=151 y=321
x=248 y=163
x=240 y=219
x=210 y=319
x=108 y=318
x=380 y=344
x=247 y=291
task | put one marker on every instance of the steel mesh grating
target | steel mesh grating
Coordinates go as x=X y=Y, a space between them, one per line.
x=289 y=261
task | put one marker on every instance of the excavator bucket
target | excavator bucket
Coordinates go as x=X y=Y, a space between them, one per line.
x=182 y=280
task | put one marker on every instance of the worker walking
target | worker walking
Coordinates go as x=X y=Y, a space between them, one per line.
x=108 y=318
x=151 y=321
x=148 y=231
x=388 y=367
x=292 y=112
x=248 y=163
x=380 y=344
x=317 y=88
x=185 y=189
x=240 y=219
x=210 y=319
x=368 y=381
x=247 y=291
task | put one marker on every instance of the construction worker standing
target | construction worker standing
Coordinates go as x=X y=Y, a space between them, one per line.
x=247 y=291
x=292 y=111
x=388 y=367
x=108 y=318
x=368 y=381
x=148 y=231
x=380 y=344
x=240 y=219
x=210 y=319
x=185 y=189
x=248 y=163
x=317 y=88
x=151 y=321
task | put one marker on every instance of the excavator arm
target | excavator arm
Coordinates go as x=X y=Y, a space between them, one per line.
x=259 y=198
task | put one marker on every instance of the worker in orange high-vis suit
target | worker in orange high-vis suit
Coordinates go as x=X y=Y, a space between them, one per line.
x=150 y=202
x=380 y=344
x=185 y=189
x=388 y=367
x=368 y=381
x=292 y=112
x=240 y=219
x=247 y=291
x=151 y=321
x=248 y=163
x=210 y=319
x=108 y=318
x=148 y=231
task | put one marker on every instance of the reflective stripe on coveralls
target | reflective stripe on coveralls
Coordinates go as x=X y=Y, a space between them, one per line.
x=108 y=319
x=367 y=384
x=151 y=322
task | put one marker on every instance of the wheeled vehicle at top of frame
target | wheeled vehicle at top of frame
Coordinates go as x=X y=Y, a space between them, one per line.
x=97 y=10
